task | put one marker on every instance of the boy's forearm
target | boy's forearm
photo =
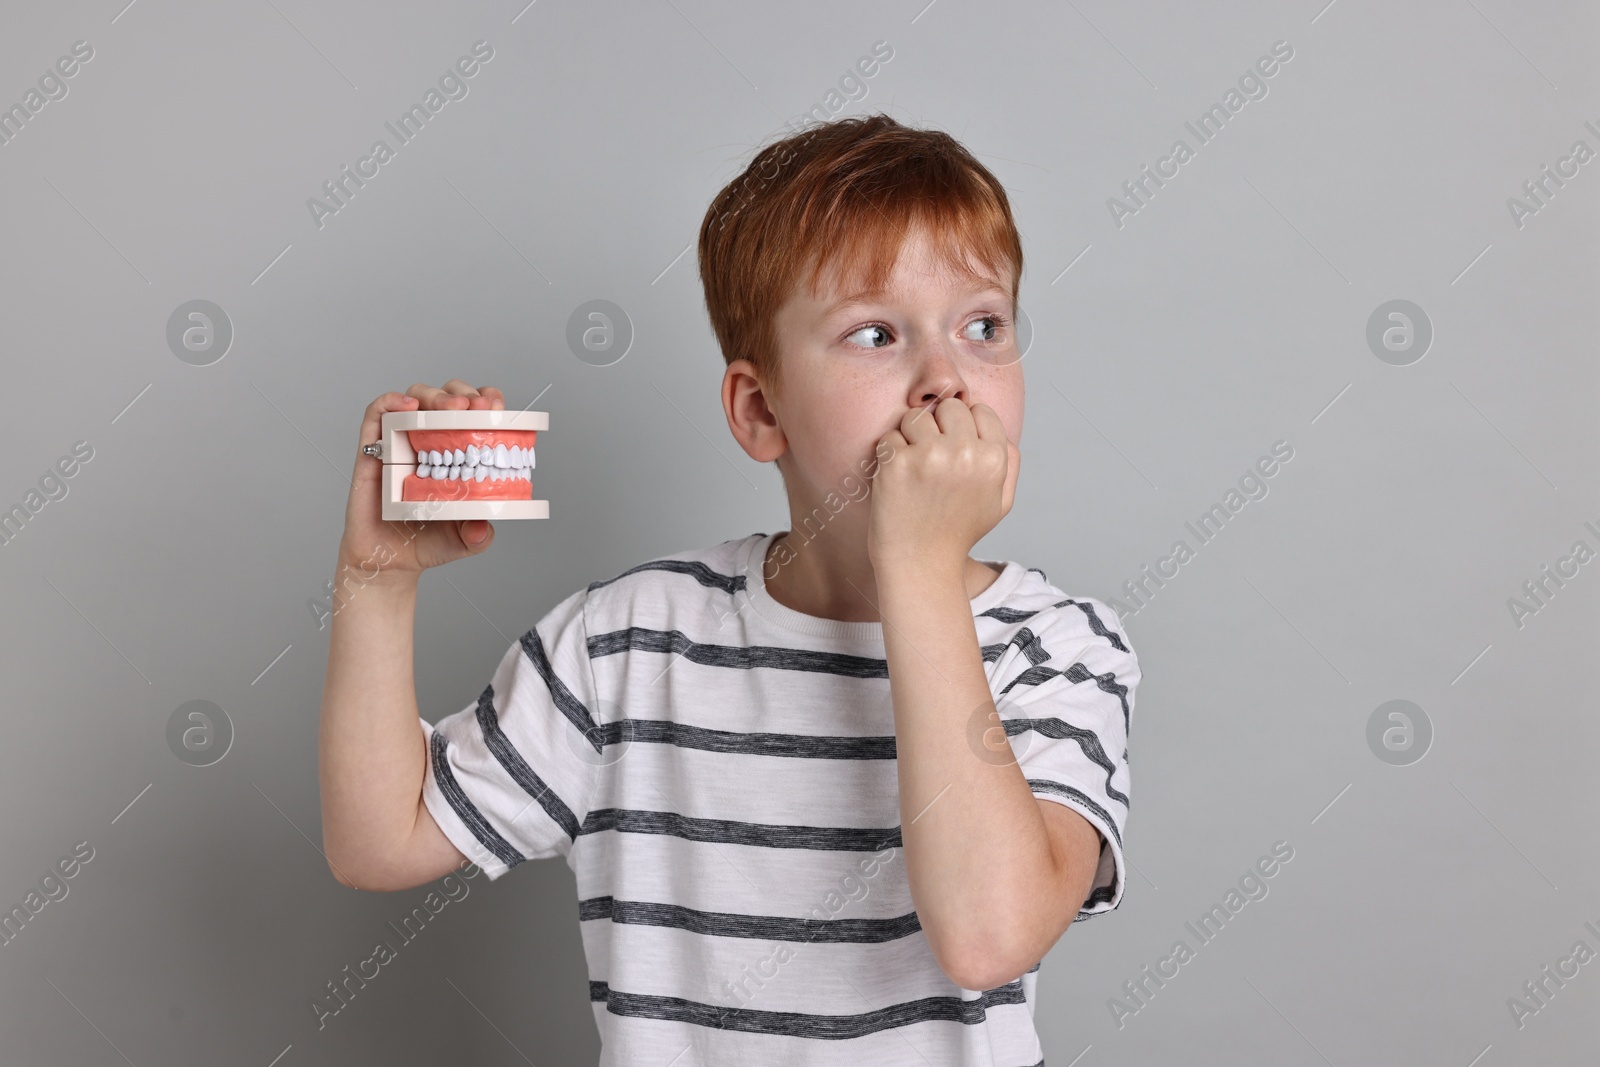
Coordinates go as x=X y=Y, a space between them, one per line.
x=978 y=857
x=371 y=751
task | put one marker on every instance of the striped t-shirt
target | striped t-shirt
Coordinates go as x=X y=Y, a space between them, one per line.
x=719 y=771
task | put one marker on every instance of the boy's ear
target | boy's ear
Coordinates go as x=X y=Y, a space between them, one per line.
x=751 y=419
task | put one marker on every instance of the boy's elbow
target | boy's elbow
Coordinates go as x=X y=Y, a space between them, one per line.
x=978 y=972
x=351 y=876
x=340 y=876
x=343 y=874
x=978 y=966
x=986 y=960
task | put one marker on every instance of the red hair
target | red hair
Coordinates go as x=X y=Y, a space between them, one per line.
x=844 y=193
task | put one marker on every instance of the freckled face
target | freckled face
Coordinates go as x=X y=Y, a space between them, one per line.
x=852 y=369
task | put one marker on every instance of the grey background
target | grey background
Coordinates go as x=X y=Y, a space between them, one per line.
x=1228 y=314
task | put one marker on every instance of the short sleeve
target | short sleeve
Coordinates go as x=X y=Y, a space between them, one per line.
x=507 y=779
x=1064 y=687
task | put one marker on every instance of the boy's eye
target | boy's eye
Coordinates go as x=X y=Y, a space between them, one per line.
x=994 y=323
x=854 y=338
x=991 y=328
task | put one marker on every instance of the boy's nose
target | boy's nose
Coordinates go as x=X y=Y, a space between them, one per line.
x=937 y=380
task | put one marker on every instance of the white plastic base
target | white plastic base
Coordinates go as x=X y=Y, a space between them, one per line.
x=399 y=461
x=456 y=510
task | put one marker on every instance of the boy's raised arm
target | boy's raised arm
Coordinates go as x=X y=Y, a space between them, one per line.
x=376 y=832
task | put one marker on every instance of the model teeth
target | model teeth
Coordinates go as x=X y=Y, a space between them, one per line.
x=476 y=464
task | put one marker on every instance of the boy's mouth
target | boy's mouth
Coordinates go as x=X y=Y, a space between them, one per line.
x=471 y=465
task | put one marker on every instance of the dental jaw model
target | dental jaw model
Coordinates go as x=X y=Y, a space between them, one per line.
x=454 y=465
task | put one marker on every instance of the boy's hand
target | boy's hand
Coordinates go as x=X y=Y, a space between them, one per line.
x=950 y=480
x=409 y=548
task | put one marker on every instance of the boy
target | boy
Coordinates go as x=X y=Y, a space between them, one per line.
x=829 y=794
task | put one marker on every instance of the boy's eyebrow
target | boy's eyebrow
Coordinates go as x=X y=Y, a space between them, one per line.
x=985 y=285
x=843 y=302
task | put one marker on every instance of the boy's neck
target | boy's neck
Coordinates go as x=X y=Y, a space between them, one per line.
x=821 y=580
